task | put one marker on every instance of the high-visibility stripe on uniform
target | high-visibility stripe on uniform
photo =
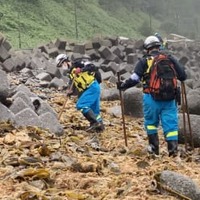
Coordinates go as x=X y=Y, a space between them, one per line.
x=172 y=134
x=151 y=127
x=98 y=118
x=149 y=63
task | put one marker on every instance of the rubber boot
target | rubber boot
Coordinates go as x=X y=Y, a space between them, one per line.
x=153 y=144
x=172 y=146
x=101 y=128
x=94 y=124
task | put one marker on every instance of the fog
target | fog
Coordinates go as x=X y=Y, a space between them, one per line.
x=177 y=16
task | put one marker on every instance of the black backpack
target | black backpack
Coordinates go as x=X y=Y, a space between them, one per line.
x=162 y=83
x=97 y=76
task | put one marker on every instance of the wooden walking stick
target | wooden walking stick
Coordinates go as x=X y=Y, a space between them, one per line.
x=184 y=121
x=122 y=110
x=65 y=103
x=185 y=110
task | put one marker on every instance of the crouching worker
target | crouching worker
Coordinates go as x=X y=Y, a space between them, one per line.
x=82 y=74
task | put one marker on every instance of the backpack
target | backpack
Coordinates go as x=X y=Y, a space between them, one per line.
x=162 y=83
x=97 y=76
x=92 y=69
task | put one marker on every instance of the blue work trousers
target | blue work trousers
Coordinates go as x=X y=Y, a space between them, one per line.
x=164 y=112
x=90 y=99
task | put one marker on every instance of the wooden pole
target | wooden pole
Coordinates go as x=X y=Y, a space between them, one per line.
x=65 y=103
x=185 y=110
x=122 y=110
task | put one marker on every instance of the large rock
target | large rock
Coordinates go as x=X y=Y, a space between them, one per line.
x=133 y=99
x=18 y=105
x=195 y=126
x=193 y=97
x=179 y=183
x=50 y=122
x=4 y=86
x=5 y=113
x=110 y=94
x=26 y=117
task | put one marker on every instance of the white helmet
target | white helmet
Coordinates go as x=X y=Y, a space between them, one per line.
x=60 y=59
x=151 y=41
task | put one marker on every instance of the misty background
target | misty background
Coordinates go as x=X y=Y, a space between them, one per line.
x=27 y=23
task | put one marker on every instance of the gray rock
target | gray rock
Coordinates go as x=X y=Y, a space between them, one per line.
x=9 y=65
x=133 y=99
x=195 y=126
x=181 y=184
x=4 y=54
x=26 y=117
x=18 y=105
x=44 y=76
x=193 y=97
x=25 y=90
x=110 y=94
x=53 y=70
x=50 y=122
x=57 y=83
x=25 y=98
x=43 y=107
x=4 y=85
x=115 y=111
x=5 y=114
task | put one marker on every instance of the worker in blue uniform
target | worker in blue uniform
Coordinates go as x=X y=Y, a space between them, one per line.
x=83 y=75
x=156 y=111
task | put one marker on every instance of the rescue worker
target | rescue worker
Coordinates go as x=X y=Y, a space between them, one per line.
x=155 y=111
x=82 y=74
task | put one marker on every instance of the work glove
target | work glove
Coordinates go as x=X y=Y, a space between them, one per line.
x=126 y=84
x=121 y=85
x=77 y=70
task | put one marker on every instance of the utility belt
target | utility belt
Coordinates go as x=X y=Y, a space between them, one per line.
x=177 y=94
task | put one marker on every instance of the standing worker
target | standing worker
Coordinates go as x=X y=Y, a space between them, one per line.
x=158 y=106
x=82 y=74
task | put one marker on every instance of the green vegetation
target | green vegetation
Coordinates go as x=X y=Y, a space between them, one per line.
x=41 y=21
x=28 y=23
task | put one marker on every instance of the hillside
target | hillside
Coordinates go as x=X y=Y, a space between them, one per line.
x=29 y=23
